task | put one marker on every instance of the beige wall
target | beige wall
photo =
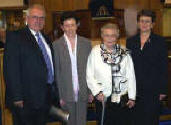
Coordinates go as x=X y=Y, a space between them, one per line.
x=11 y=3
x=168 y=1
x=167 y=22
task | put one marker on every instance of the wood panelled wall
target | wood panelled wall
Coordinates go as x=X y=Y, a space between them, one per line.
x=58 y=5
x=62 y=5
x=139 y=4
x=89 y=27
x=121 y=4
x=166 y=22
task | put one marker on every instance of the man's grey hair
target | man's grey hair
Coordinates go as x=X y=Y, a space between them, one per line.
x=35 y=6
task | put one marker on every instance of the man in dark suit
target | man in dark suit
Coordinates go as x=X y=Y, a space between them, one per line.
x=71 y=52
x=28 y=71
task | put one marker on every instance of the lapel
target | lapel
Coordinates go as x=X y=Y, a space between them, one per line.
x=148 y=44
x=137 y=42
x=78 y=51
x=147 y=47
x=31 y=40
x=47 y=40
x=65 y=50
x=152 y=38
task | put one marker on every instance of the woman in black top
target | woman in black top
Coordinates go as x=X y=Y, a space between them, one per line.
x=149 y=55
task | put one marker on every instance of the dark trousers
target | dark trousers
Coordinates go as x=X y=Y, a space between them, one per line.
x=147 y=111
x=98 y=105
x=35 y=116
x=23 y=116
x=114 y=114
x=117 y=115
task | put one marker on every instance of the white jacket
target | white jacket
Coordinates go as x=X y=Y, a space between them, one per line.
x=99 y=77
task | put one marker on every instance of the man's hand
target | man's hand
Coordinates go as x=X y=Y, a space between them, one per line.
x=19 y=104
x=162 y=96
x=131 y=103
x=62 y=102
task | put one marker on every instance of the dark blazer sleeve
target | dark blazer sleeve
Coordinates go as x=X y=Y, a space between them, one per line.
x=57 y=68
x=163 y=64
x=55 y=89
x=128 y=44
x=12 y=65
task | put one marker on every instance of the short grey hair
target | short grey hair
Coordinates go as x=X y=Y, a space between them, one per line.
x=35 y=6
x=110 y=26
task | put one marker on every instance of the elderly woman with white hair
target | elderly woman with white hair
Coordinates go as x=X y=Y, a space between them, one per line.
x=111 y=77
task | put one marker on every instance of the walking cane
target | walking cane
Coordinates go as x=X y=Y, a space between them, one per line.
x=103 y=109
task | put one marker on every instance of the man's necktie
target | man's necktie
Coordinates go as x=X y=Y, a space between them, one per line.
x=46 y=58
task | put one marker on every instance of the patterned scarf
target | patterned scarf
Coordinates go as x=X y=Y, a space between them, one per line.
x=114 y=58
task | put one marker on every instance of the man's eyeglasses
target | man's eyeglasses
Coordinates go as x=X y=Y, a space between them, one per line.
x=37 y=17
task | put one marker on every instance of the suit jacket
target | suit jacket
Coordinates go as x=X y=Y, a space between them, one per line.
x=25 y=70
x=1 y=44
x=64 y=71
x=150 y=65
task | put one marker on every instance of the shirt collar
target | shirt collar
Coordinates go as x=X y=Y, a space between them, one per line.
x=33 y=32
x=66 y=37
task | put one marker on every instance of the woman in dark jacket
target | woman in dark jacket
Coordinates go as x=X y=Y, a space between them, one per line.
x=149 y=55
